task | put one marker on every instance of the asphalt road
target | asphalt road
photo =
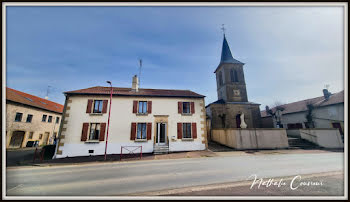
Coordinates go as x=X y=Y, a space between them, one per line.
x=124 y=178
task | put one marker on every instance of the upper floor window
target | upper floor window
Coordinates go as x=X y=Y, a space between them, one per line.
x=186 y=108
x=142 y=107
x=29 y=118
x=44 y=118
x=141 y=131
x=94 y=131
x=98 y=104
x=233 y=75
x=18 y=117
x=57 y=119
x=49 y=119
x=220 y=79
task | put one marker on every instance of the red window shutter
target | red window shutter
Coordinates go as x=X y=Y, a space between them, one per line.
x=179 y=107
x=84 y=131
x=149 y=107
x=133 y=131
x=89 y=106
x=179 y=130
x=194 y=130
x=102 y=132
x=134 y=108
x=149 y=131
x=192 y=108
x=104 y=106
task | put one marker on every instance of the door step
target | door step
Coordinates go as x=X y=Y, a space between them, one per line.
x=161 y=149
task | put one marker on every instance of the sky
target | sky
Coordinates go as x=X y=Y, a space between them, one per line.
x=290 y=53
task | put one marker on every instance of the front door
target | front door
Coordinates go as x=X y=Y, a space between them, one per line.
x=17 y=139
x=161 y=134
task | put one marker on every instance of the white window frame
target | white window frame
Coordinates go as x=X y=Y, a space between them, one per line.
x=100 y=106
x=141 y=135
x=95 y=129
x=143 y=106
x=189 y=108
x=183 y=131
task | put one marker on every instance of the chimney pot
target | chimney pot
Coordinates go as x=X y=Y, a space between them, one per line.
x=326 y=94
x=135 y=83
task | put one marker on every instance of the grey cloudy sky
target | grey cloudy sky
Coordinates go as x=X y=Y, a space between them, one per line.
x=290 y=53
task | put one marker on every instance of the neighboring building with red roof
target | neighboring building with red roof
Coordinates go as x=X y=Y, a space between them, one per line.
x=30 y=119
x=159 y=120
x=327 y=112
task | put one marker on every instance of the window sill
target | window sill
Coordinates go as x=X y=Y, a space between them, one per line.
x=189 y=114
x=187 y=139
x=141 y=114
x=140 y=140
x=96 y=114
x=92 y=141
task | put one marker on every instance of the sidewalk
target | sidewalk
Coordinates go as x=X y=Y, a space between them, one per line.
x=175 y=155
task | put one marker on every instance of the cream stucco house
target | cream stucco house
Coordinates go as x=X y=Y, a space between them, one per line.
x=30 y=119
x=158 y=120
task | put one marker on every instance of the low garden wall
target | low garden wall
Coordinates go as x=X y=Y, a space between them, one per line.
x=324 y=137
x=251 y=138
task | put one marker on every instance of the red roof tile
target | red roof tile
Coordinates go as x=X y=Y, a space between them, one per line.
x=302 y=105
x=31 y=100
x=142 y=92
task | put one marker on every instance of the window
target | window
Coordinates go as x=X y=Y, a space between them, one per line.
x=44 y=118
x=40 y=136
x=186 y=108
x=186 y=130
x=234 y=76
x=94 y=131
x=29 y=118
x=57 y=119
x=220 y=79
x=141 y=131
x=98 y=106
x=30 y=135
x=49 y=119
x=142 y=107
x=294 y=125
x=18 y=117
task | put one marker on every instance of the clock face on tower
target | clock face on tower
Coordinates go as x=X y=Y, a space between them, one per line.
x=236 y=93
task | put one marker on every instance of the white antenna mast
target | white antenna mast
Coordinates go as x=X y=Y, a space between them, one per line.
x=140 y=60
x=47 y=92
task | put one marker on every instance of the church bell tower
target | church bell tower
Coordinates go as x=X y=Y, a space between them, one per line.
x=230 y=80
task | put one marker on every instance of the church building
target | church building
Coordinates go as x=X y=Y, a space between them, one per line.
x=232 y=109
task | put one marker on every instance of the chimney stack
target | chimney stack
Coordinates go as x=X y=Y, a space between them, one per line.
x=326 y=94
x=135 y=83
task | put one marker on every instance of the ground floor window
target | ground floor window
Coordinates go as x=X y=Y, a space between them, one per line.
x=30 y=135
x=294 y=125
x=141 y=131
x=186 y=130
x=94 y=131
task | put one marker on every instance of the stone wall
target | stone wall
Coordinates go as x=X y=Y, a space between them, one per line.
x=251 y=138
x=327 y=138
x=251 y=115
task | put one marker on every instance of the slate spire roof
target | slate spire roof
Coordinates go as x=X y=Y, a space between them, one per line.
x=226 y=55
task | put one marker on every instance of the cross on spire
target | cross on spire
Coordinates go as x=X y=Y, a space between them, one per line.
x=223 y=28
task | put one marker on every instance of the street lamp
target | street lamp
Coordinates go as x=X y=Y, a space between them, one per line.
x=109 y=115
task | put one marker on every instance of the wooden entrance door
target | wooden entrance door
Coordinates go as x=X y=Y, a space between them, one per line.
x=17 y=139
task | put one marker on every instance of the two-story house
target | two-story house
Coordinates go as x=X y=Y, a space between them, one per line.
x=156 y=119
x=30 y=120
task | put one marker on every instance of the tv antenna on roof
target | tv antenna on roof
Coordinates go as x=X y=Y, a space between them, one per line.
x=47 y=92
x=140 y=62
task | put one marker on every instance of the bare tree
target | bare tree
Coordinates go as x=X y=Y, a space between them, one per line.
x=309 y=115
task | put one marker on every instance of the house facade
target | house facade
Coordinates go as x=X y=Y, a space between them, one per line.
x=327 y=112
x=30 y=120
x=156 y=119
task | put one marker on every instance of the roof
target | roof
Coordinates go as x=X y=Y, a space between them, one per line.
x=221 y=101
x=31 y=100
x=301 y=106
x=100 y=90
x=226 y=55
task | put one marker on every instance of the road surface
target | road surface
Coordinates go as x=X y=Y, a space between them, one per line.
x=124 y=178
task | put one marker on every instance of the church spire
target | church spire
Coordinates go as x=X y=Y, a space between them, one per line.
x=226 y=55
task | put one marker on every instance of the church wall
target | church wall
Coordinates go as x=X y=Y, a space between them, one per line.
x=251 y=115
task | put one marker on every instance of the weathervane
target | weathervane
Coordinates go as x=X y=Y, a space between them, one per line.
x=223 y=28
